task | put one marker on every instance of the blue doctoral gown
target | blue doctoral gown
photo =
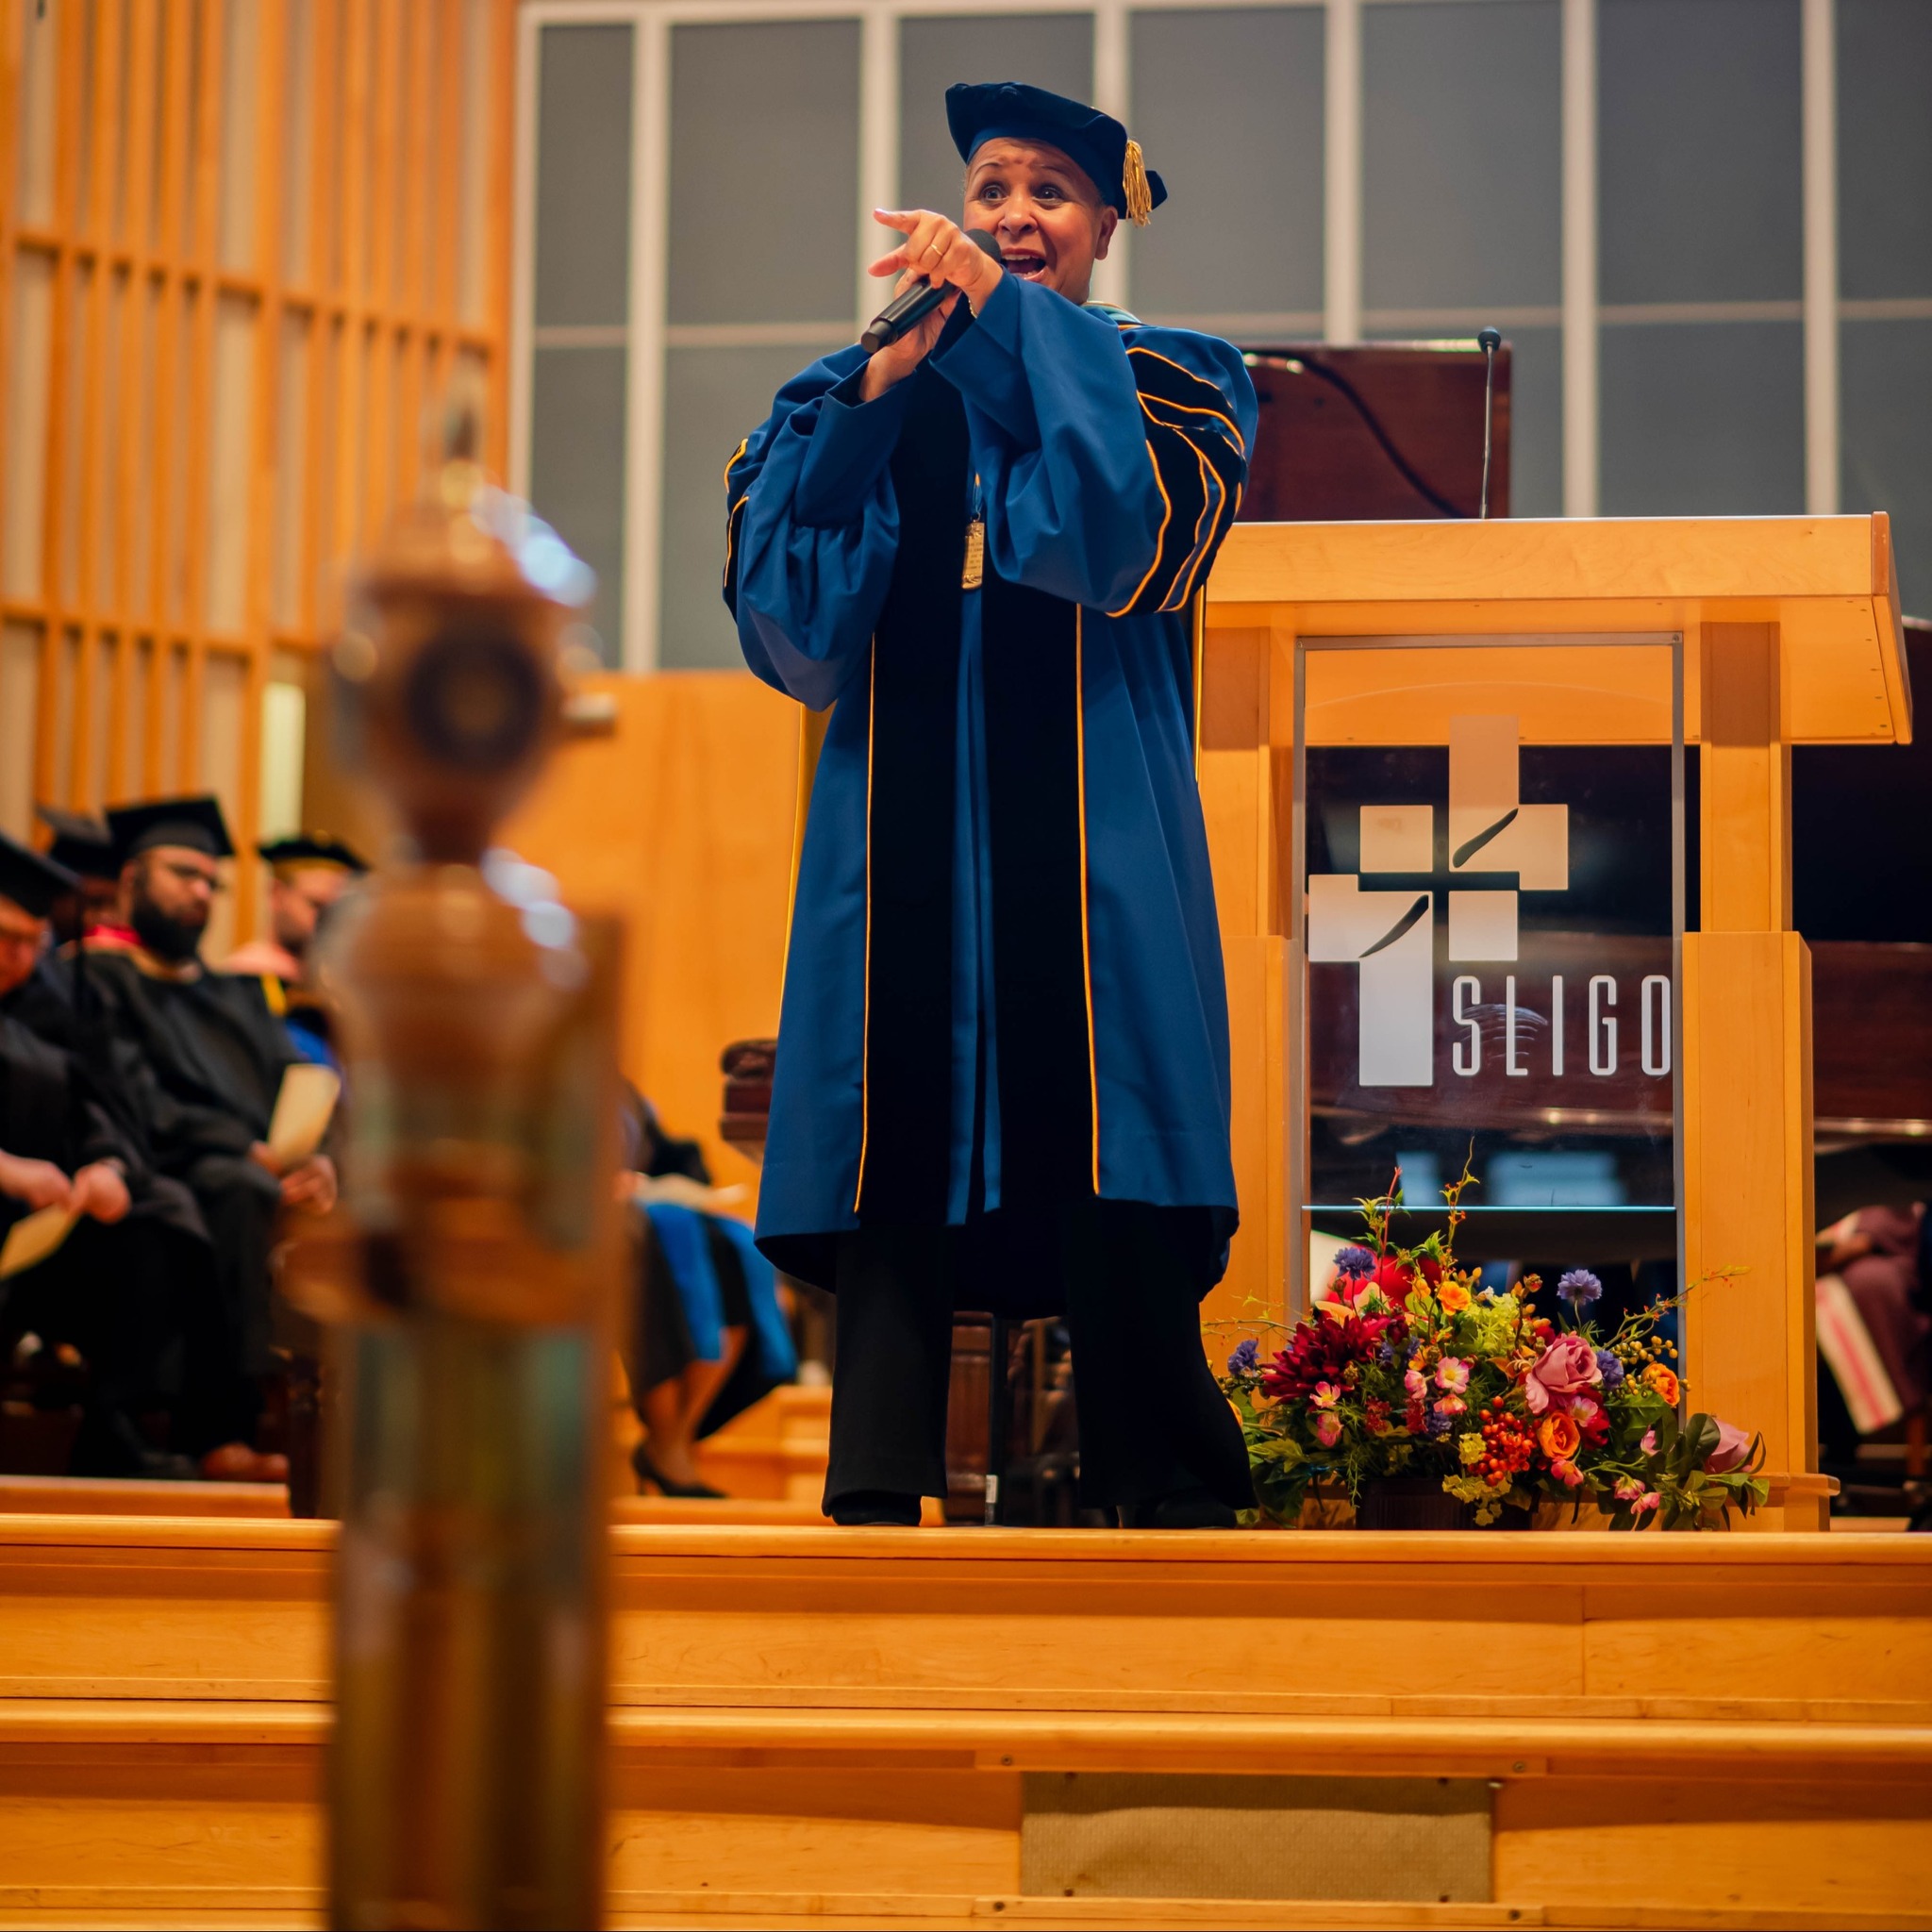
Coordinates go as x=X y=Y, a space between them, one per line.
x=1105 y=458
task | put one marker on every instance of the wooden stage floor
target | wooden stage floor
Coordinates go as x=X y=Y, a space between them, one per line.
x=830 y=1728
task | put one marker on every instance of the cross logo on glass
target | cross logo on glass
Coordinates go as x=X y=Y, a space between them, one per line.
x=1391 y=935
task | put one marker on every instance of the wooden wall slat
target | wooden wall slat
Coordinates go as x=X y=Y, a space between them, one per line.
x=53 y=747
x=10 y=25
x=146 y=350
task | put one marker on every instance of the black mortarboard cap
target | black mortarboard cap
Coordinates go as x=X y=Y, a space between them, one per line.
x=82 y=842
x=195 y=823
x=32 y=882
x=1095 y=142
x=312 y=848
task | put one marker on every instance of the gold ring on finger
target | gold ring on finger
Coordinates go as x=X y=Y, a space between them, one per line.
x=934 y=248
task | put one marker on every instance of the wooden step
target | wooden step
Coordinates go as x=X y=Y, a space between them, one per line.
x=826 y=1726
x=90 y=1495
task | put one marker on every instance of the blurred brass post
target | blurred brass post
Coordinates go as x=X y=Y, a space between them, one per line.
x=471 y=1267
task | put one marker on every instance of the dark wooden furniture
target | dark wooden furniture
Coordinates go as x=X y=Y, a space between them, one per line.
x=1380 y=432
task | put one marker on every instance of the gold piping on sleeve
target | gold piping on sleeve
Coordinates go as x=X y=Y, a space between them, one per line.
x=731 y=514
x=1228 y=499
x=872 y=686
x=1209 y=482
x=1086 y=926
x=1161 y=536
x=1193 y=409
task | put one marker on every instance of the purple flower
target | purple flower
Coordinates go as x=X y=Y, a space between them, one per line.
x=1579 y=1288
x=1386 y=1353
x=1612 y=1369
x=1439 y=1423
x=1353 y=1261
x=1246 y=1358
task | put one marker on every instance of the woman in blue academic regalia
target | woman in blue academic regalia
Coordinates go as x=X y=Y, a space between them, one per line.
x=1003 y=1064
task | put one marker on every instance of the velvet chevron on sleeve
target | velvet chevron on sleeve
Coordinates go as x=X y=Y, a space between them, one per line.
x=1201 y=462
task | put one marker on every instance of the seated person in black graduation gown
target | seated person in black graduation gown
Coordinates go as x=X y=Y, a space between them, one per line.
x=218 y=1055
x=130 y=1276
x=84 y=845
x=309 y=872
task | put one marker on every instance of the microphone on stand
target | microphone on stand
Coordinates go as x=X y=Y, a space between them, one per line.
x=910 y=306
x=1488 y=340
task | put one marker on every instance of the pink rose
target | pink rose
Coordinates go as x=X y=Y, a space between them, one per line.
x=1567 y=1369
x=1452 y=1374
x=1327 y=1428
x=1414 y=1382
x=1733 y=1447
x=1649 y=1443
x=1649 y=1500
x=1568 y=1471
x=1628 y=1489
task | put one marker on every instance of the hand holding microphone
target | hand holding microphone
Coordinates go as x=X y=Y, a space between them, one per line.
x=938 y=262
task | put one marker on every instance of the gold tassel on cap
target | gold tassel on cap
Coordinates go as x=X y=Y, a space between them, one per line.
x=1134 y=181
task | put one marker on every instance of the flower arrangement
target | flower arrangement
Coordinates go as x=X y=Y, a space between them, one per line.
x=1407 y=1367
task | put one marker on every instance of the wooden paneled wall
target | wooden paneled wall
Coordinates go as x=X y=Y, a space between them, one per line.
x=244 y=244
x=679 y=819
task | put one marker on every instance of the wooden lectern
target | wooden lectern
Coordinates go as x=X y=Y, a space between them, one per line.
x=1789 y=633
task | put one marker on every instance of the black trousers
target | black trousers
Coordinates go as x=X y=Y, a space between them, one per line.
x=1152 y=1420
x=228 y=1330
x=122 y=1294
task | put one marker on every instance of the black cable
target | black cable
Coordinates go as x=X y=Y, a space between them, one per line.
x=1308 y=366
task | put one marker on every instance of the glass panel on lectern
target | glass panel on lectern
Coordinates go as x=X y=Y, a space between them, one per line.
x=1492 y=877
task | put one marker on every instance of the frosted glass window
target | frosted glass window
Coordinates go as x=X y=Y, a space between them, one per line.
x=1886 y=432
x=713 y=397
x=1536 y=420
x=1698 y=172
x=1885 y=148
x=1228 y=107
x=1050 y=50
x=583 y=175
x=1702 y=419
x=764 y=172
x=1462 y=155
x=576 y=466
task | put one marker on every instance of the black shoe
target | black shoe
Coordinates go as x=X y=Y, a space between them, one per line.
x=1179 y=1509
x=648 y=1471
x=876 y=1505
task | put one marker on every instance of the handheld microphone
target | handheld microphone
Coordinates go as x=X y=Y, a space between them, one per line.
x=1488 y=340
x=910 y=306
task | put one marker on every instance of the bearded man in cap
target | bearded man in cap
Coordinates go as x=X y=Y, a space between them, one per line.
x=130 y=1275
x=1002 y=1074
x=218 y=1053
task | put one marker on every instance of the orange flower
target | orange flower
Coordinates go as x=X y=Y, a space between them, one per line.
x=1452 y=1296
x=1663 y=1381
x=1558 y=1435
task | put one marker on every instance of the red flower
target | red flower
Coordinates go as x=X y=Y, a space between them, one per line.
x=1394 y=1278
x=1323 y=1351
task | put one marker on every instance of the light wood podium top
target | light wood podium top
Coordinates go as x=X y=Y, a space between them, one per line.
x=1830 y=583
